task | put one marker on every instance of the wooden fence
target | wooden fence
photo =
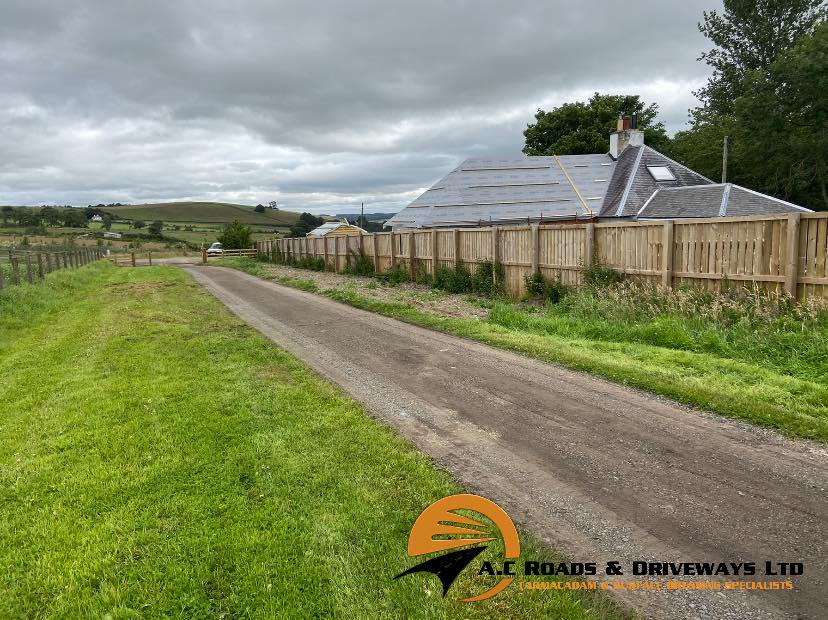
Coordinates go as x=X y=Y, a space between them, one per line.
x=245 y=252
x=30 y=265
x=779 y=253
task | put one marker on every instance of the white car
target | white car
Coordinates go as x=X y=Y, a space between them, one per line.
x=215 y=250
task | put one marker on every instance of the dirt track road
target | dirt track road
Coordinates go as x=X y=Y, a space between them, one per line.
x=598 y=471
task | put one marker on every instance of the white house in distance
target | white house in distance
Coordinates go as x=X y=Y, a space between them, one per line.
x=632 y=181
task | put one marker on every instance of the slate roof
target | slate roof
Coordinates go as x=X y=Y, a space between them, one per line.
x=482 y=192
x=520 y=190
x=633 y=184
x=716 y=200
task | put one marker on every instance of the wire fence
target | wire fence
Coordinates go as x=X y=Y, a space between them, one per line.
x=19 y=266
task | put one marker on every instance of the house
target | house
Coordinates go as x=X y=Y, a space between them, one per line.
x=96 y=218
x=111 y=235
x=632 y=181
x=337 y=229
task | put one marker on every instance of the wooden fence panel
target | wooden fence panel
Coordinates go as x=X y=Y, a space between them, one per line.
x=445 y=248
x=777 y=253
x=475 y=247
x=561 y=252
x=423 y=251
x=515 y=255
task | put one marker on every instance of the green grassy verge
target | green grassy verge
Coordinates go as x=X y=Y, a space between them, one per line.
x=160 y=458
x=774 y=376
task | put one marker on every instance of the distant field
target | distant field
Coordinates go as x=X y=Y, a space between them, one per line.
x=217 y=212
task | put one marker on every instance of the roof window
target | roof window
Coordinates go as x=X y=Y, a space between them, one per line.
x=661 y=173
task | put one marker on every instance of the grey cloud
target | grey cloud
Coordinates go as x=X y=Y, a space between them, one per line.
x=312 y=103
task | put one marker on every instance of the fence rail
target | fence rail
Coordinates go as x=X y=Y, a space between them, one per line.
x=247 y=252
x=31 y=265
x=779 y=253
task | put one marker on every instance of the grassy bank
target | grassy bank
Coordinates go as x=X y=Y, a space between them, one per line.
x=160 y=458
x=764 y=361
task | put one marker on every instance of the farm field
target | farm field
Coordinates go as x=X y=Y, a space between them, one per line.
x=160 y=458
x=769 y=370
x=212 y=212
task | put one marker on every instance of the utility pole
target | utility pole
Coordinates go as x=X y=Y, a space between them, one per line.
x=724 y=161
x=362 y=215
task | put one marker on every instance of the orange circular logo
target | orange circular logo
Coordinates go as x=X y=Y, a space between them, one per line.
x=456 y=530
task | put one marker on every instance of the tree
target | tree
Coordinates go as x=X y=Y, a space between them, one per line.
x=138 y=224
x=582 y=128
x=8 y=212
x=107 y=221
x=156 y=227
x=749 y=35
x=74 y=218
x=259 y=209
x=50 y=215
x=236 y=236
x=272 y=204
x=782 y=124
x=306 y=223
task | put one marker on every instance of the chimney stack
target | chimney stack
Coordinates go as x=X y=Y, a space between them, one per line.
x=626 y=134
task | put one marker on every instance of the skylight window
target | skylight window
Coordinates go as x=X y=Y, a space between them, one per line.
x=661 y=173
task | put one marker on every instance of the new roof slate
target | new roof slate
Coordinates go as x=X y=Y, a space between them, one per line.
x=512 y=190
x=534 y=189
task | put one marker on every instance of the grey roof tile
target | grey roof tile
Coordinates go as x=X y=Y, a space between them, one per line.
x=632 y=184
x=511 y=190
x=712 y=201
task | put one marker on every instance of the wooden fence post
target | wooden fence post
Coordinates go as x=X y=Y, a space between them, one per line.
x=336 y=253
x=40 y=272
x=15 y=265
x=589 y=244
x=203 y=256
x=495 y=253
x=325 y=252
x=375 y=248
x=2 y=279
x=535 y=248
x=455 y=238
x=29 y=268
x=667 y=247
x=393 y=249
x=48 y=262
x=149 y=257
x=132 y=258
x=435 y=254
x=792 y=260
x=412 y=249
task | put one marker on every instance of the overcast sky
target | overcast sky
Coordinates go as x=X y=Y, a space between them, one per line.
x=317 y=105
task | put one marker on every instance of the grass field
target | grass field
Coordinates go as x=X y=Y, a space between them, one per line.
x=203 y=212
x=160 y=458
x=772 y=372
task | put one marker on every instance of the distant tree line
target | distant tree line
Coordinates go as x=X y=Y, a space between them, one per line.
x=34 y=217
x=766 y=94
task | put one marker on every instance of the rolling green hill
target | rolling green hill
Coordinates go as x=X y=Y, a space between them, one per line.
x=213 y=212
